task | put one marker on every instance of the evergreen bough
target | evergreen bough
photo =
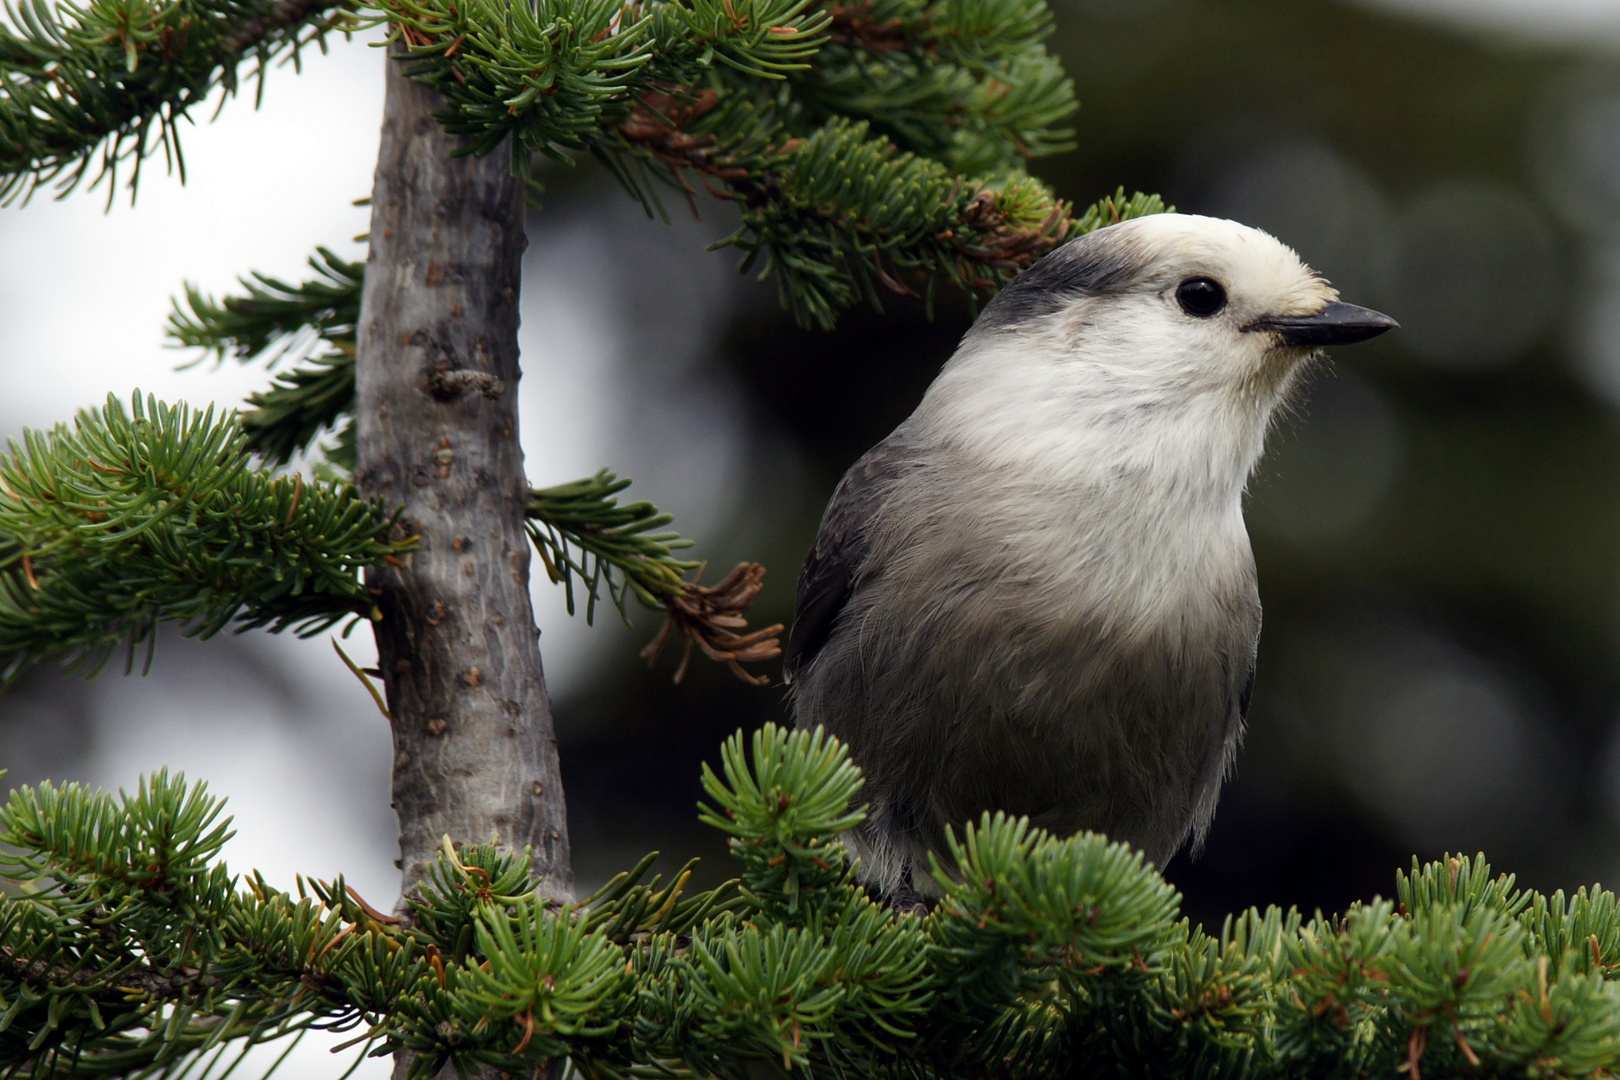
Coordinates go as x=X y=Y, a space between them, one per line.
x=129 y=949
x=132 y=517
x=867 y=146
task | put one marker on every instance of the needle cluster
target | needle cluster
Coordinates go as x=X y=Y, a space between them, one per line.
x=152 y=513
x=88 y=90
x=868 y=147
x=131 y=949
x=311 y=323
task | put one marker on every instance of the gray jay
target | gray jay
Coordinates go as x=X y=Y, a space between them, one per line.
x=1037 y=595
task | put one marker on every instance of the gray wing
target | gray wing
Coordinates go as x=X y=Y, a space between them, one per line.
x=833 y=569
x=1223 y=751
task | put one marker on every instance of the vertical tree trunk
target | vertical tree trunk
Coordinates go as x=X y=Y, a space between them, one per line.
x=474 y=753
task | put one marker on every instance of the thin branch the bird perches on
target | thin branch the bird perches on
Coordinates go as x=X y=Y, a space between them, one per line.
x=711 y=616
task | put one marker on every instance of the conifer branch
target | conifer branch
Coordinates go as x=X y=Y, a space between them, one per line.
x=840 y=216
x=275 y=319
x=312 y=323
x=86 y=91
x=554 y=75
x=847 y=159
x=966 y=82
x=131 y=947
x=134 y=517
x=580 y=532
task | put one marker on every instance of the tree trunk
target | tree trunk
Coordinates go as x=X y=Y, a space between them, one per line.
x=475 y=757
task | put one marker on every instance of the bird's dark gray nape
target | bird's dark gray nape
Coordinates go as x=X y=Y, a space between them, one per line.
x=1336 y=324
x=1100 y=263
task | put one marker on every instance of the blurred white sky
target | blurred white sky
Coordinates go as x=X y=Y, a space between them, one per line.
x=1589 y=23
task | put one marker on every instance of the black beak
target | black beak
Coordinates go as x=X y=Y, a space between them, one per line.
x=1336 y=324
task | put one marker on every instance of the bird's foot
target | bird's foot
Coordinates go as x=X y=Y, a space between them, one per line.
x=911 y=904
x=906 y=900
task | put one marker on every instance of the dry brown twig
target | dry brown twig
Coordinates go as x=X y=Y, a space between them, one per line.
x=710 y=618
x=1006 y=247
x=852 y=25
x=659 y=125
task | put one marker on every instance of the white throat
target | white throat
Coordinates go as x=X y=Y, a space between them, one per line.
x=1087 y=421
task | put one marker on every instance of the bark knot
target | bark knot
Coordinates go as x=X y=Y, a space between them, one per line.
x=448 y=384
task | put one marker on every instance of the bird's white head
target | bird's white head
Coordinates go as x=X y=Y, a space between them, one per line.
x=1161 y=341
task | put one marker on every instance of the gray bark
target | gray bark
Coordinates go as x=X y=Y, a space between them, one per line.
x=474 y=753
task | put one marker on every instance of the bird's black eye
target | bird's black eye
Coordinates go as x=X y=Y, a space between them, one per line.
x=1201 y=296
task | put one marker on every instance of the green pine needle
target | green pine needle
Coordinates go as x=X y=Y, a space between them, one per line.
x=129 y=948
x=86 y=91
x=966 y=82
x=312 y=323
x=584 y=537
x=275 y=319
x=132 y=517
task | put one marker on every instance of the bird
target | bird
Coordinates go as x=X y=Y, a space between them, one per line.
x=1037 y=595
